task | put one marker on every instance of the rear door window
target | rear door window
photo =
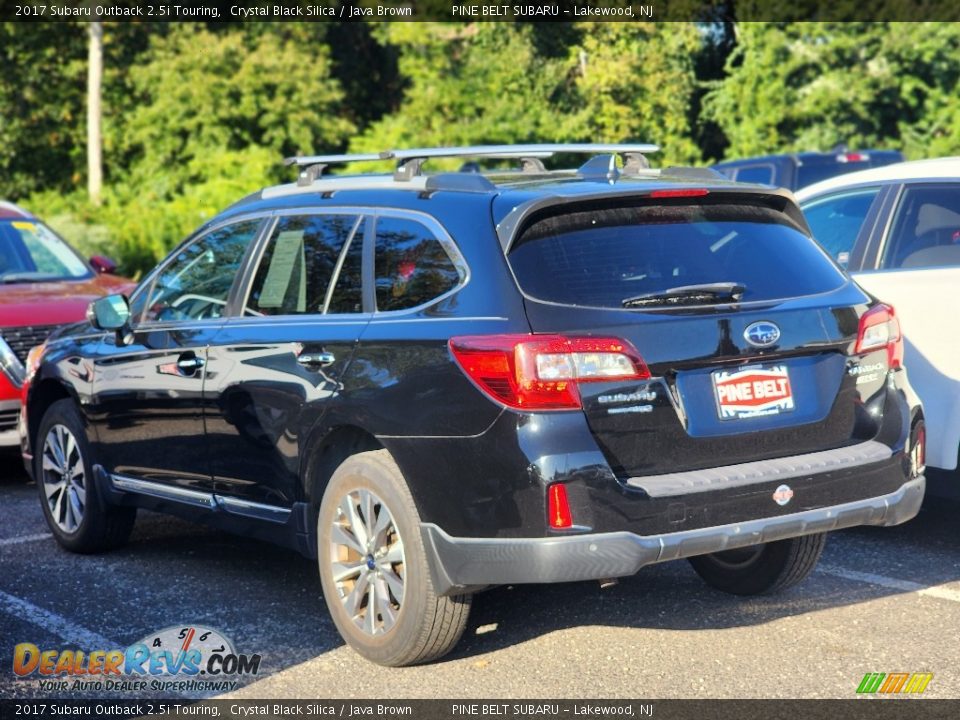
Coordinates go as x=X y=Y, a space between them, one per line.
x=836 y=219
x=347 y=295
x=926 y=228
x=604 y=256
x=298 y=264
x=412 y=266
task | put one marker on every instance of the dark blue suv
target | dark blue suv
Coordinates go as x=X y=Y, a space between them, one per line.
x=798 y=170
x=436 y=383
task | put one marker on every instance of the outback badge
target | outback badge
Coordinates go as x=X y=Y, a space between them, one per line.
x=782 y=495
x=761 y=334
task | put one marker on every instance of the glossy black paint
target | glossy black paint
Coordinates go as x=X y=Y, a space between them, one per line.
x=247 y=424
x=145 y=410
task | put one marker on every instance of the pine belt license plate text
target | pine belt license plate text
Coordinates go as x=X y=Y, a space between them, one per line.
x=752 y=392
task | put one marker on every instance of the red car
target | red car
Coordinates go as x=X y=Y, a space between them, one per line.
x=44 y=284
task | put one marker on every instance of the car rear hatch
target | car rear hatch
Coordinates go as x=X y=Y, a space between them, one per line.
x=744 y=324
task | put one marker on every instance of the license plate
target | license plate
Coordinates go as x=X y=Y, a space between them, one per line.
x=752 y=392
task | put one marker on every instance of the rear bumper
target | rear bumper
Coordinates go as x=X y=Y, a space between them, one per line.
x=460 y=564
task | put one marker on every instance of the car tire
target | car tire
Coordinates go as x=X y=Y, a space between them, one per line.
x=761 y=569
x=371 y=554
x=79 y=518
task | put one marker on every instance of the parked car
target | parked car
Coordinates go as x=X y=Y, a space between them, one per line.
x=797 y=170
x=44 y=284
x=439 y=383
x=897 y=229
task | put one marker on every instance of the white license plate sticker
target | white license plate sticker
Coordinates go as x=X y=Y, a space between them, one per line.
x=752 y=392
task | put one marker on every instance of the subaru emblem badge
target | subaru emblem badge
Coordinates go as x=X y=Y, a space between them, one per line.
x=782 y=495
x=761 y=334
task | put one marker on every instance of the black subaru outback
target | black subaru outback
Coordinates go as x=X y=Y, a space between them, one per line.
x=436 y=383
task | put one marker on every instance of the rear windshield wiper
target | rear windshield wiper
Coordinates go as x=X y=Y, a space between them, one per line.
x=688 y=295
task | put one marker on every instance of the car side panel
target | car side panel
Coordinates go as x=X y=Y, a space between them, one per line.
x=147 y=413
x=932 y=348
x=260 y=402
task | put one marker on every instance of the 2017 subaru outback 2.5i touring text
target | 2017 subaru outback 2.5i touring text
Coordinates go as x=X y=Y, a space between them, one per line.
x=438 y=383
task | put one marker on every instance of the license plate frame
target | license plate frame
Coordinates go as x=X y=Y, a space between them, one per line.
x=752 y=392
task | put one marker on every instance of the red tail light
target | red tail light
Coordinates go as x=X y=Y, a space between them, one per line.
x=558 y=508
x=879 y=327
x=542 y=372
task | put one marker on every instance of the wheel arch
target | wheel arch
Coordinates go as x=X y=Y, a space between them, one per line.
x=41 y=396
x=326 y=448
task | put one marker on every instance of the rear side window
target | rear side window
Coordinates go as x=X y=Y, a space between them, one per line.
x=836 y=220
x=298 y=264
x=412 y=267
x=926 y=228
x=605 y=256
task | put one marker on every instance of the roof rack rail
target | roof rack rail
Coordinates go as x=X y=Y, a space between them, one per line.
x=410 y=161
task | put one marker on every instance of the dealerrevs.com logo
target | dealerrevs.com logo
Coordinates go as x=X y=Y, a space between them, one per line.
x=188 y=658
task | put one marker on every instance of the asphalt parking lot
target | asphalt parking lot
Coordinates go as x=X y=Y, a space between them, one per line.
x=882 y=600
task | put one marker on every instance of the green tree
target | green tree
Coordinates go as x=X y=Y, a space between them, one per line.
x=468 y=84
x=42 y=81
x=808 y=86
x=636 y=82
x=198 y=91
x=509 y=82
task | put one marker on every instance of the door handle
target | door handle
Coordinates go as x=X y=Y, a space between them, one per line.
x=189 y=363
x=316 y=359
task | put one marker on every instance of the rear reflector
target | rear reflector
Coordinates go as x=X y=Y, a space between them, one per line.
x=918 y=454
x=680 y=192
x=542 y=372
x=879 y=328
x=558 y=507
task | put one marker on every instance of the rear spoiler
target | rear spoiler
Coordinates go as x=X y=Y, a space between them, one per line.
x=780 y=199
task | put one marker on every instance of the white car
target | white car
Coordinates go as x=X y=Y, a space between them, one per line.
x=897 y=230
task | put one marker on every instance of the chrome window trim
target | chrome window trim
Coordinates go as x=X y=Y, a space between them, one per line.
x=335 y=277
x=264 y=241
x=438 y=231
x=446 y=242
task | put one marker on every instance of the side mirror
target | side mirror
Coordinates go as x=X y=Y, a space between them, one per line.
x=103 y=265
x=109 y=313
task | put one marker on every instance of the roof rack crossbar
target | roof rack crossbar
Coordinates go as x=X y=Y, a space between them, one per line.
x=409 y=161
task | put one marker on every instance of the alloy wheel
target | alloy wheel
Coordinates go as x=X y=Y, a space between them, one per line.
x=367 y=562
x=64 y=478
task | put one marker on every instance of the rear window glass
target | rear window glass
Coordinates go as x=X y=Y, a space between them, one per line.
x=602 y=257
x=755 y=174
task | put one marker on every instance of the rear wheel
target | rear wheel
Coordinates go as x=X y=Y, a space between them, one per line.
x=78 y=517
x=761 y=569
x=373 y=567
